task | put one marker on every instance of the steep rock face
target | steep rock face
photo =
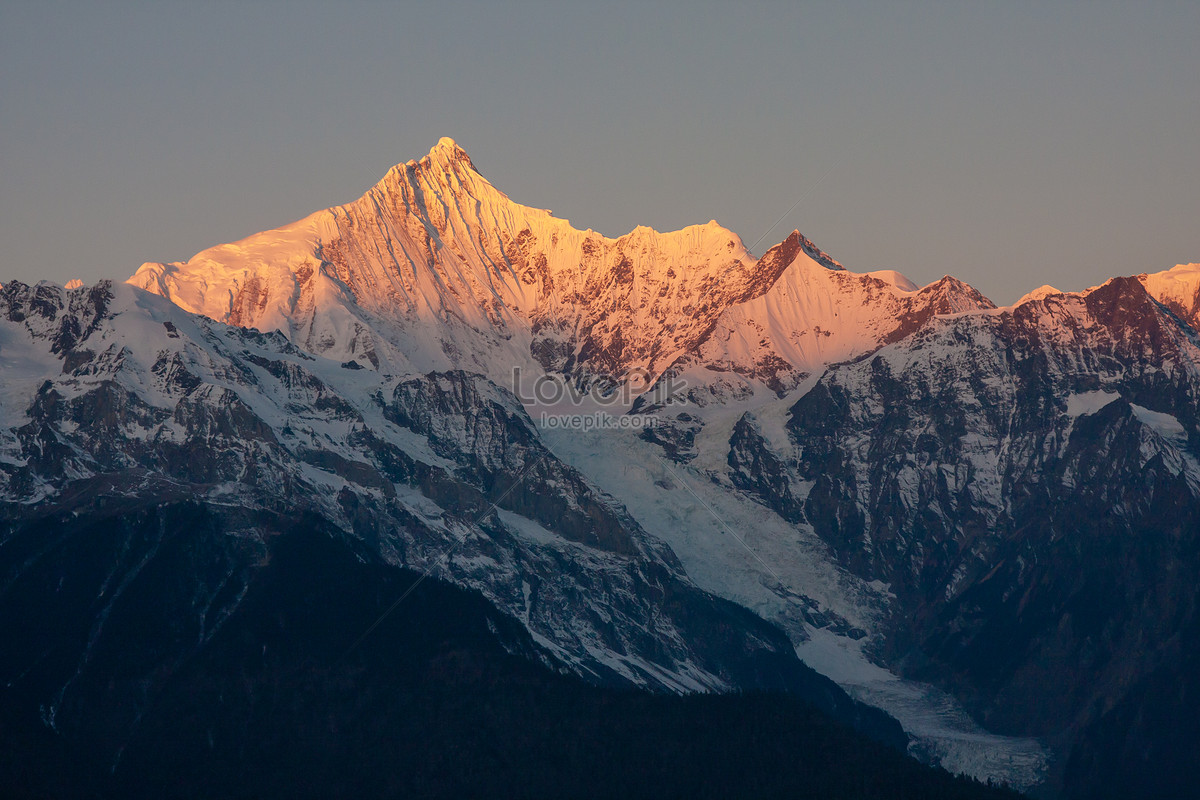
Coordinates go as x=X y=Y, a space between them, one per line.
x=992 y=395
x=117 y=396
x=1026 y=481
x=755 y=467
x=472 y=422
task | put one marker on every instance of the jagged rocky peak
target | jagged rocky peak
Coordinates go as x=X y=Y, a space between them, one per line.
x=786 y=251
x=1177 y=288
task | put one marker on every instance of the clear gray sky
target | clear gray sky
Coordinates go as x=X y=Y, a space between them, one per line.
x=1010 y=144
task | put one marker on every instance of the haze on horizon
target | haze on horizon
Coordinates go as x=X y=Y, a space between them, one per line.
x=1009 y=146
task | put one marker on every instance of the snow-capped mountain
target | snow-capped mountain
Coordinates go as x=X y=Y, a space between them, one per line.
x=120 y=408
x=434 y=268
x=127 y=395
x=980 y=519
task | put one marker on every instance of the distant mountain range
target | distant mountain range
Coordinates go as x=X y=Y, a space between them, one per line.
x=982 y=521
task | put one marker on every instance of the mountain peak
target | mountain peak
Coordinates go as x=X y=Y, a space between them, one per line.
x=446 y=153
x=435 y=268
x=1040 y=293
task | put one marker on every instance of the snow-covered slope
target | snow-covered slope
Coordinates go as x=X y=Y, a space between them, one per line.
x=1040 y=293
x=1178 y=289
x=113 y=395
x=780 y=569
x=813 y=316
